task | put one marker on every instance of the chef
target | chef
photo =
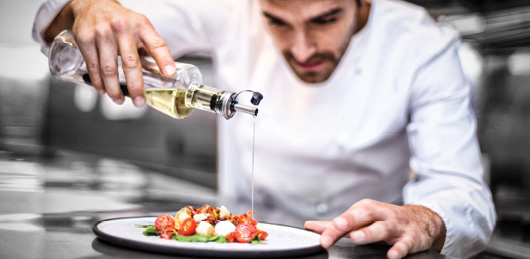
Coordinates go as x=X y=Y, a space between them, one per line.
x=365 y=128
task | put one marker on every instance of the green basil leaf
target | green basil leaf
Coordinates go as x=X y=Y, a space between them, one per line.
x=150 y=231
x=221 y=239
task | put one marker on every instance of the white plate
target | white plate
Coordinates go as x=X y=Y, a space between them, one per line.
x=282 y=240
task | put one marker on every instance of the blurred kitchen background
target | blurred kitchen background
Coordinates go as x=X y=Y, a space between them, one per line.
x=77 y=138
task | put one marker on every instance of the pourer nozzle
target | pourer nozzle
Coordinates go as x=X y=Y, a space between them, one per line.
x=246 y=109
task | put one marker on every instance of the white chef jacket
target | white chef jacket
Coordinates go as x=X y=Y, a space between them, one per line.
x=397 y=102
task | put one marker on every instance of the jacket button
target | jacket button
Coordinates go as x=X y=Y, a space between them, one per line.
x=321 y=208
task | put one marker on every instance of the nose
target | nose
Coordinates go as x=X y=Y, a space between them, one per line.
x=303 y=47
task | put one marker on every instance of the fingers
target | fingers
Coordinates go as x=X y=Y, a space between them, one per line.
x=359 y=215
x=87 y=46
x=408 y=228
x=157 y=48
x=108 y=66
x=338 y=228
x=132 y=70
x=378 y=231
x=131 y=65
x=400 y=249
x=102 y=37
x=317 y=226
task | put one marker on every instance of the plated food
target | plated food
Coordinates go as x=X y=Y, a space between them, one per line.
x=207 y=224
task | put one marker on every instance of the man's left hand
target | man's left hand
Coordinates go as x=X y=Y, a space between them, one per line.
x=408 y=228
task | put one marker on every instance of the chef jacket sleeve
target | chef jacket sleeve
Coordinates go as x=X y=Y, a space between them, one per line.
x=446 y=157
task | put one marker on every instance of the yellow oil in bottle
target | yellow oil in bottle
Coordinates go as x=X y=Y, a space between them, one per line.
x=170 y=101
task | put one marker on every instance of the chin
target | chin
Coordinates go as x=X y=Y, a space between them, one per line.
x=313 y=78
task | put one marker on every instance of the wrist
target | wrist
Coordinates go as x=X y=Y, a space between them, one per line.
x=439 y=240
x=434 y=225
x=62 y=21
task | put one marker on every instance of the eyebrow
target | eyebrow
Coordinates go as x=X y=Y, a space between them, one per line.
x=272 y=17
x=331 y=12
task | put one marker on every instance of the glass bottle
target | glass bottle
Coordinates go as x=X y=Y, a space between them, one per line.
x=177 y=96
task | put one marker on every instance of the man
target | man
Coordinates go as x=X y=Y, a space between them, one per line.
x=357 y=95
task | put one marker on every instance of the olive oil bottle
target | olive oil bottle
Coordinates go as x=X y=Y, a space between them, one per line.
x=177 y=96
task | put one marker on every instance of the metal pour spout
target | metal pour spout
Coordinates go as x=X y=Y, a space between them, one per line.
x=254 y=100
x=246 y=109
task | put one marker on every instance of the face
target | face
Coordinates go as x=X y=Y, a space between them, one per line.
x=311 y=34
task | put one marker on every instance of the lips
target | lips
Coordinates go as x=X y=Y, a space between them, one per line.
x=311 y=65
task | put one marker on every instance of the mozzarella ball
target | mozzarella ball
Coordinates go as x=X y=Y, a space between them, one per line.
x=200 y=217
x=223 y=228
x=204 y=228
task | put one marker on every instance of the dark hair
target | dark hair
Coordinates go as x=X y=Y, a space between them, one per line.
x=358 y=2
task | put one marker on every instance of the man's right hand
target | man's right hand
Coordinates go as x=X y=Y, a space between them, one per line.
x=103 y=29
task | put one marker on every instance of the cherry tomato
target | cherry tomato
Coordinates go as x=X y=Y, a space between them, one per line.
x=262 y=235
x=188 y=227
x=164 y=221
x=245 y=232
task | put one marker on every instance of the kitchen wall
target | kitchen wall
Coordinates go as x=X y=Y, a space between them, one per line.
x=499 y=32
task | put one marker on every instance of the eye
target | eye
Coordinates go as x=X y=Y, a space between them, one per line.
x=324 y=20
x=276 y=22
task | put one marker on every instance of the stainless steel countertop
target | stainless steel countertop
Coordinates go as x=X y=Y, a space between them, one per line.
x=48 y=207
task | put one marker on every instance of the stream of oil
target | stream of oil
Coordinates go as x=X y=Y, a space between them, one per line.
x=253 y=151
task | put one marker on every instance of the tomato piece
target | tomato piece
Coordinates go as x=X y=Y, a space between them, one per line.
x=245 y=219
x=245 y=232
x=164 y=221
x=166 y=235
x=187 y=228
x=231 y=237
x=205 y=209
x=262 y=235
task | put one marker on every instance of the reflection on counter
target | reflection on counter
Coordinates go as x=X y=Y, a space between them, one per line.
x=82 y=182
